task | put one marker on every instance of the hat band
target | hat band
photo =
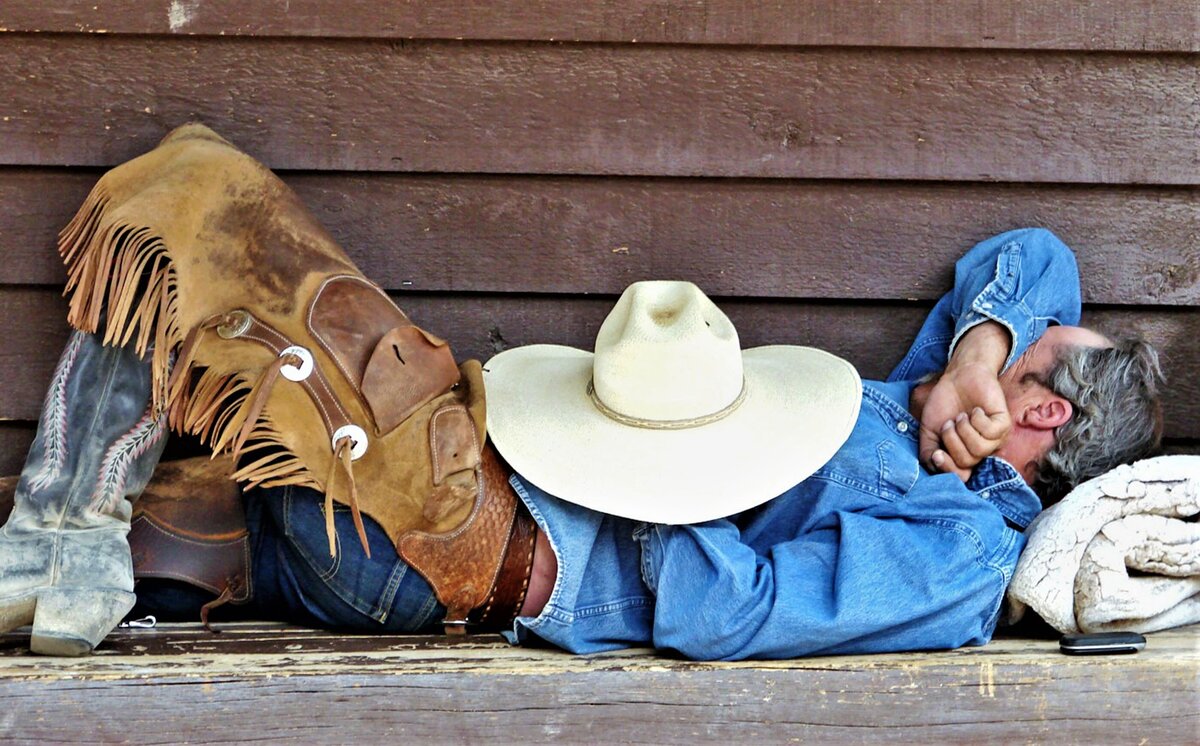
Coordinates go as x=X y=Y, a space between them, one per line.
x=648 y=424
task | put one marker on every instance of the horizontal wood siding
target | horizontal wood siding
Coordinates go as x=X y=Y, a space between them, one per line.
x=611 y=109
x=1161 y=25
x=769 y=238
x=507 y=168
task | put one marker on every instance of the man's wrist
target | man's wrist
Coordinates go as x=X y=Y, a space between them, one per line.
x=985 y=344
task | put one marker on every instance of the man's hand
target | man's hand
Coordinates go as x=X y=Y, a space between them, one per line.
x=966 y=418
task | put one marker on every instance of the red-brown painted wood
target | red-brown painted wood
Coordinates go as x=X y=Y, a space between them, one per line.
x=627 y=110
x=866 y=240
x=1162 y=25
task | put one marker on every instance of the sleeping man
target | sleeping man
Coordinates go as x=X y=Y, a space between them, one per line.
x=667 y=489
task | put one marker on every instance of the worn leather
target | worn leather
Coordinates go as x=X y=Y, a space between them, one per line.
x=348 y=315
x=64 y=557
x=512 y=583
x=450 y=429
x=407 y=368
x=464 y=565
x=189 y=525
x=196 y=252
x=394 y=365
x=169 y=244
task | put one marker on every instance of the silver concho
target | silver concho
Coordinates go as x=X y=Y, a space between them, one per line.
x=358 y=440
x=297 y=372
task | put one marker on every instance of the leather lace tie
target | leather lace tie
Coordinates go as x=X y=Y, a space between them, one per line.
x=343 y=459
x=225 y=597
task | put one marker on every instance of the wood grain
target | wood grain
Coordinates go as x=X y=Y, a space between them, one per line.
x=205 y=688
x=1162 y=25
x=872 y=336
x=764 y=238
x=618 y=110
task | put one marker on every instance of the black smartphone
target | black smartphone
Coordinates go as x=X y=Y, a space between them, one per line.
x=1102 y=643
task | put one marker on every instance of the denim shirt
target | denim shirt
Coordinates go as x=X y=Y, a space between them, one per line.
x=872 y=553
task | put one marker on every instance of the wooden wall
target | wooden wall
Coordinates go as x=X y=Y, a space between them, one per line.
x=508 y=167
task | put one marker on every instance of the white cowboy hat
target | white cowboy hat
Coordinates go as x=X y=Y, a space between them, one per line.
x=670 y=421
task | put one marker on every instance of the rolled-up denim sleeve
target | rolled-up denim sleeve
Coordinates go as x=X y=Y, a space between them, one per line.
x=1025 y=280
x=861 y=584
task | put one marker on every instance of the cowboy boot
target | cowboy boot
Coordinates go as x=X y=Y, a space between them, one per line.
x=64 y=557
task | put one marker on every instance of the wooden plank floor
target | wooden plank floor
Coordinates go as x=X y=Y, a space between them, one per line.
x=267 y=682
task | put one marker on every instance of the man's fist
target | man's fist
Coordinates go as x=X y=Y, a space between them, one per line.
x=965 y=418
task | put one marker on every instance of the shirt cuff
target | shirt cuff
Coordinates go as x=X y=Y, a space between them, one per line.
x=996 y=302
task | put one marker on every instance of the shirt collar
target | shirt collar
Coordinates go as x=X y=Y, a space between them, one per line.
x=998 y=482
x=893 y=398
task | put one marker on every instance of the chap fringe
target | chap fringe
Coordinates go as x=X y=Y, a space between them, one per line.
x=123 y=275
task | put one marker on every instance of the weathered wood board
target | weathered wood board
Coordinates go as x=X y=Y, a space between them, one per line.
x=764 y=238
x=1164 y=25
x=611 y=109
x=265 y=682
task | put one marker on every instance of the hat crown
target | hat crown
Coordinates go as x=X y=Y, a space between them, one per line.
x=666 y=353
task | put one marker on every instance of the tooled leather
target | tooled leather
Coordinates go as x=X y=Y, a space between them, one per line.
x=408 y=367
x=508 y=595
x=462 y=565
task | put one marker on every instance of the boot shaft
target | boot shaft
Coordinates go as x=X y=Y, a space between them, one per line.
x=97 y=441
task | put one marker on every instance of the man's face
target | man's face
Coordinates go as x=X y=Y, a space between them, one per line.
x=1036 y=410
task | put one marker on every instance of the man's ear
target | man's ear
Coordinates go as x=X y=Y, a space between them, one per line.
x=1051 y=412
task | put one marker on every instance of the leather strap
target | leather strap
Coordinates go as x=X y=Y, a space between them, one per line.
x=241 y=324
x=508 y=594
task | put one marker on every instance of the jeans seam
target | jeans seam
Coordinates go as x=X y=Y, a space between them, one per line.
x=322 y=575
x=610 y=607
x=427 y=612
x=352 y=600
x=649 y=576
x=386 y=600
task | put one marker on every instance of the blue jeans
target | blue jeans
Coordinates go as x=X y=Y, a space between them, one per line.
x=295 y=580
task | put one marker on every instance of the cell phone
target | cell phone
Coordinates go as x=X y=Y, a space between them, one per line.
x=1102 y=643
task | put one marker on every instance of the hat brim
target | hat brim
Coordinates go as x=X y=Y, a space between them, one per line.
x=800 y=407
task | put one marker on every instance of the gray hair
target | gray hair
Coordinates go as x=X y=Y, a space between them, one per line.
x=1117 y=418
